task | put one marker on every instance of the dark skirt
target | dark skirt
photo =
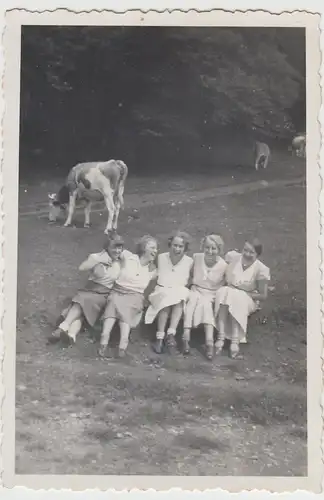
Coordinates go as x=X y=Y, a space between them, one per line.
x=125 y=306
x=92 y=300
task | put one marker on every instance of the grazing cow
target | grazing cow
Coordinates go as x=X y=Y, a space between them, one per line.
x=88 y=182
x=299 y=145
x=261 y=155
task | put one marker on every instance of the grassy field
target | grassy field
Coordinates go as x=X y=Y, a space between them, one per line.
x=147 y=414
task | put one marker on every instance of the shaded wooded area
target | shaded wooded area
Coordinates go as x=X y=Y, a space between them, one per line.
x=171 y=98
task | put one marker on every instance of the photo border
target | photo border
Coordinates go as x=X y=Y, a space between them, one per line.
x=14 y=19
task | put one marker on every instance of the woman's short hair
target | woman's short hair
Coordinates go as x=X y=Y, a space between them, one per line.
x=180 y=234
x=216 y=239
x=141 y=244
x=113 y=239
x=257 y=245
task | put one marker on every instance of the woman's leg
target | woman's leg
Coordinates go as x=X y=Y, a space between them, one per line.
x=235 y=342
x=124 y=338
x=105 y=335
x=74 y=329
x=222 y=320
x=74 y=313
x=209 y=340
x=162 y=319
x=176 y=313
x=186 y=340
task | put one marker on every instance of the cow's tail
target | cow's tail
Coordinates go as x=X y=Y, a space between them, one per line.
x=121 y=182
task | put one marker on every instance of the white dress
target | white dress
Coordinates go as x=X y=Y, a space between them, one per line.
x=206 y=281
x=240 y=304
x=171 y=285
x=126 y=301
x=133 y=276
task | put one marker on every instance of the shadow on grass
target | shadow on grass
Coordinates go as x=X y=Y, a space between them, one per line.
x=201 y=443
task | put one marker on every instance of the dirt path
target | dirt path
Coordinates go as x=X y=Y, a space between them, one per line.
x=135 y=201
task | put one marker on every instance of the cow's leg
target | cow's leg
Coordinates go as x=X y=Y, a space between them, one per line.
x=266 y=161
x=87 y=211
x=119 y=204
x=71 y=208
x=111 y=209
x=116 y=215
x=121 y=195
x=257 y=163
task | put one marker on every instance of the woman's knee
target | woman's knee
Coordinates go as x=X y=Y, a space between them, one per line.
x=165 y=310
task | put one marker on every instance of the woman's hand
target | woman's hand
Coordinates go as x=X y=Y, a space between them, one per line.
x=105 y=260
x=99 y=270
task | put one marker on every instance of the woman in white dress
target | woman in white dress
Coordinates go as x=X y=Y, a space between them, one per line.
x=208 y=276
x=126 y=301
x=247 y=283
x=171 y=292
x=90 y=301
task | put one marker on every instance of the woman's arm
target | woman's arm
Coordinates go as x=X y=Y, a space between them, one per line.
x=93 y=260
x=262 y=292
x=89 y=263
x=191 y=275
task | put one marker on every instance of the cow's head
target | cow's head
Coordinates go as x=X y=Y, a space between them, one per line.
x=55 y=207
x=57 y=203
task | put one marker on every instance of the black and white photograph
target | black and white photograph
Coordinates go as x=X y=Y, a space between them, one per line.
x=162 y=300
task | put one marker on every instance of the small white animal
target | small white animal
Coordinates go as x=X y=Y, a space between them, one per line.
x=299 y=145
x=261 y=155
x=88 y=182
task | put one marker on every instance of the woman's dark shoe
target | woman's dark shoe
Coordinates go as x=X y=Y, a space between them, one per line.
x=171 y=344
x=219 y=344
x=185 y=347
x=209 y=352
x=158 y=346
x=234 y=351
x=102 y=351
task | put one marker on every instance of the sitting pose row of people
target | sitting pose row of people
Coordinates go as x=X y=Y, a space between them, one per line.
x=206 y=289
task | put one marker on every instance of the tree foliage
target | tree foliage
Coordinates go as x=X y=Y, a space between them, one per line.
x=180 y=84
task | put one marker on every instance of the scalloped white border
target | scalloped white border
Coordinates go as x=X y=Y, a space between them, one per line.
x=82 y=7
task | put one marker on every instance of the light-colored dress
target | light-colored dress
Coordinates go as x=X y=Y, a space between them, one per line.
x=93 y=297
x=206 y=281
x=171 y=286
x=240 y=304
x=126 y=301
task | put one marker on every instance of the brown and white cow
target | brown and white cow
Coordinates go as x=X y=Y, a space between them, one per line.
x=88 y=182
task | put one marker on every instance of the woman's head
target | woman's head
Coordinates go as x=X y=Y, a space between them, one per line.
x=179 y=242
x=114 y=245
x=212 y=245
x=252 y=249
x=147 y=246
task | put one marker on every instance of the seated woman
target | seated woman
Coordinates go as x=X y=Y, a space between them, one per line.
x=171 y=292
x=126 y=301
x=247 y=283
x=90 y=301
x=208 y=276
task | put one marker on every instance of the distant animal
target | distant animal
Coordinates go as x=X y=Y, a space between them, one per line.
x=299 y=145
x=88 y=182
x=261 y=155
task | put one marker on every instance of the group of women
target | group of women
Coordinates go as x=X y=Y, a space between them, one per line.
x=209 y=289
